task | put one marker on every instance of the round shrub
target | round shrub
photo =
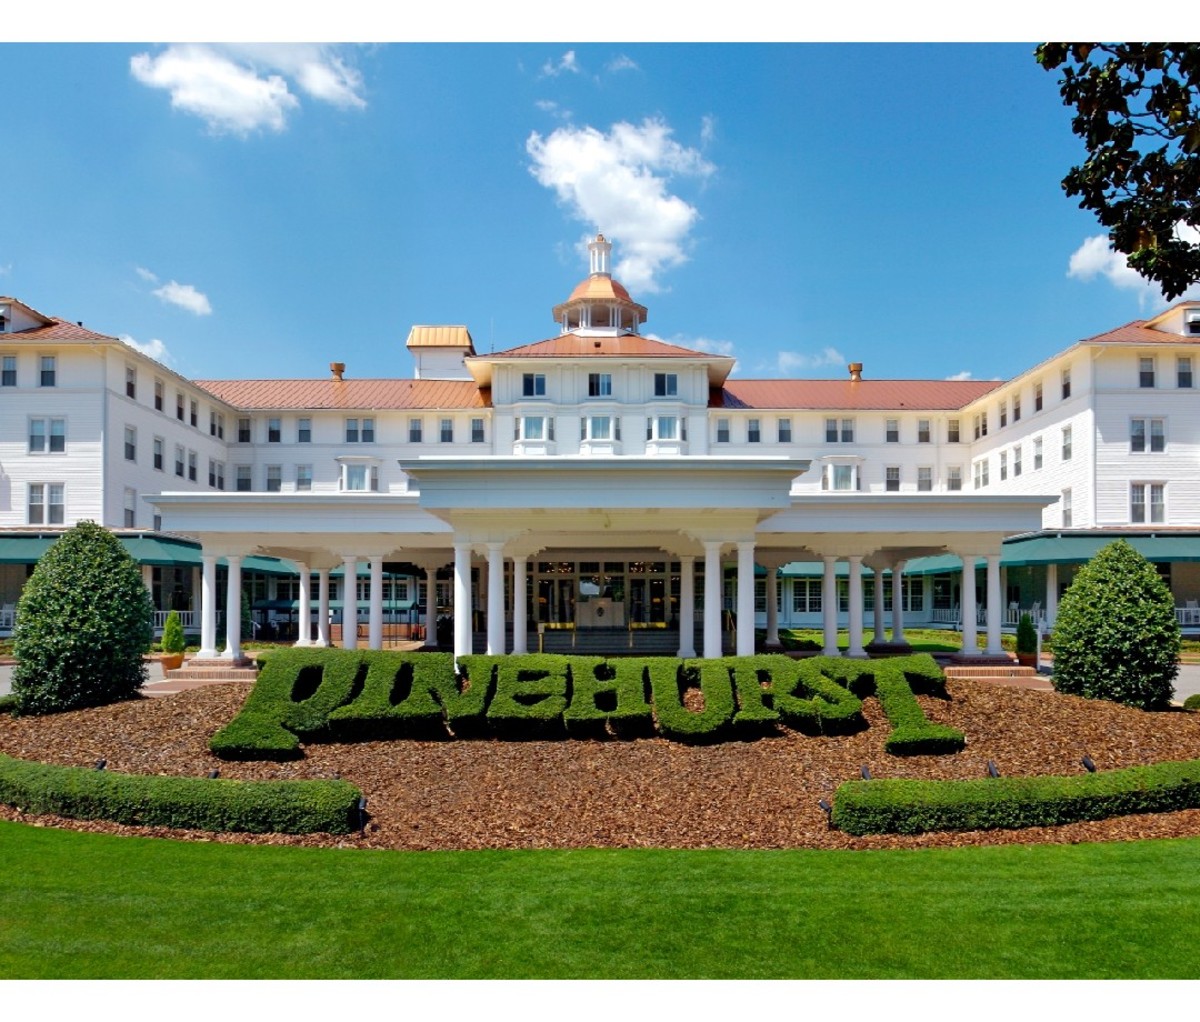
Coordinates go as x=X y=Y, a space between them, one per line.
x=1116 y=636
x=83 y=624
x=1192 y=702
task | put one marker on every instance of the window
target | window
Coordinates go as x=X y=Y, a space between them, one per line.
x=1003 y=465
x=352 y=431
x=243 y=431
x=1037 y=453
x=1183 y=371
x=446 y=431
x=599 y=385
x=360 y=477
x=368 y=431
x=1016 y=461
x=414 y=431
x=216 y=474
x=892 y=479
x=131 y=382
x=981 y=425
x=954 y=478
x=179 y=461
x=980 y=473
x=304 y=431
x=242 y=481
x=192 y=460
x=537 y=427
x=533 y=385
x=666 y=385
x=923 y=431
x=1138 y=494
x=1037 y=396
x=843 y=477
x=845 y=434
x=1066 y=384
x=952 y=431
x=46 y=504
x=179 y=406
x=831 y=431
x=130 y=444
x=1003 y=414
x=194 y=413
x=1067 y=510
x=159 y=395
x=1139 y=429
x=1066 y=443
x=477 y=431
x=664 y=427
x=48 y=375
x=783 y=431
x=216 y=424
x=304 y=477
x=892 y=431
x=924 y=479
x=275 y=431
x=598 y=427
x=1146 y=371
x=47 y=436
x=274 y=478
x=753 y=431
x=157 y=520
x=722 y=431
x=158 y=453
x=8 y=371
x=806 y=596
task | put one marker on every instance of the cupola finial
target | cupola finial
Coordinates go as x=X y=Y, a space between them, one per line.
x=598 y=255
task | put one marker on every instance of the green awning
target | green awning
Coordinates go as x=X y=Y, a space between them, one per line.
x=158 y=551
x=1066 y=548
x=23 y=549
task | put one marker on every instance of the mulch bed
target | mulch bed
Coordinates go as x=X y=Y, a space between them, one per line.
x=625 y=794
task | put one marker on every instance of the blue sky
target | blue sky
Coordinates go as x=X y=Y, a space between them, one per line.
x=261 y=211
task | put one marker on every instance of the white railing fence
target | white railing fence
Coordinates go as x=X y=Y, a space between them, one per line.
x=186 y=618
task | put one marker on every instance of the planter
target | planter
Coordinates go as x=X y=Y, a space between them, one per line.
x=172 y=661
x=1027 y=659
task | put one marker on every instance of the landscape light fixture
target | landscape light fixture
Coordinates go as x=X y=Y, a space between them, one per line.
x=827 y=809
x=362 y=815
x=101 y=764
x=993 y=770
x=1088 y=764
x=214 y=772
x=865 y=771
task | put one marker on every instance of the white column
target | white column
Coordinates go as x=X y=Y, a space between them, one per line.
x=148 y=582
x=431 y=608
x=1051 y=594
x=375 y=613
x=879 y=636
x=687 y=607
x=898 y=602
x=304 y=629
x=712 y=599
x=773 y=606
x=995 y=607
x=208 y=608
x=481 y=595
x=233 y=609
x=856 y=608
x=745 y=599
x=520 y=608
x=322 y=607
x=495 y=591
x=350 y=603
x=829 y=605
x=462 y=600
x=970 y=645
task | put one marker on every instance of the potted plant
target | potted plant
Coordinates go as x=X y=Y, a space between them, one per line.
x=1026 y=642
x=172 y=642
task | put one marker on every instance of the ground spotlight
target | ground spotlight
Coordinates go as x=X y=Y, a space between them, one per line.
x=101 y=764
x=214 y=772
x=865 y=771
x=362 y=815
x=1088 y=764
x=827 y=809
x=993 y=770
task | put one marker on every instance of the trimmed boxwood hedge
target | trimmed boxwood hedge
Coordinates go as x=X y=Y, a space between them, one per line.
x=911 y=807
x=608 y=694
x=193 y=803
x=402 y=697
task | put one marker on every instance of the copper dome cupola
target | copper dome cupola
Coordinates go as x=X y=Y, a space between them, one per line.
x=600 y=305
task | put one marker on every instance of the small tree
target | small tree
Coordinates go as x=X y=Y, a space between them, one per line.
x=83 y=624
x=1116 y=636
x=247 y=617
x=172 y=636
x=1026 y=635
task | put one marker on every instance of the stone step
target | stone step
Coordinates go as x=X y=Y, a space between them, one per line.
x=989 y=671
x=208 y=670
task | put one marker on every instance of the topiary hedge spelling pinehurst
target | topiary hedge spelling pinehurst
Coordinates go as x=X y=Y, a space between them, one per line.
x=340 y=695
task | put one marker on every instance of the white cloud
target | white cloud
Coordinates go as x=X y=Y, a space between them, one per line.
x=155 y=349
x=621 y=63
x=6 y=269
x=567 y=62
x=1097 y=258
x=550 y=107
x=964 y=375
x=798 y=361
x=708 y=129
x=241 y=89
x=147 y=275
x=185 y=296
x=617 y=183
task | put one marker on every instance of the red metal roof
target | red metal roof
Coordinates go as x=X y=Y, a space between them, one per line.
x=357 y=394
x=848 y=395
x=1137 y=333
x=57 y=330
x=578 y=346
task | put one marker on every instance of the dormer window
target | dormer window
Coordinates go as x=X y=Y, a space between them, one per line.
x=533 y=385
x=1193 y=321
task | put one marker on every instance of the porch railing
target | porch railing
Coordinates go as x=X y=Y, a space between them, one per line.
x=1188 y=617
x=186 y=618
x=8 y=619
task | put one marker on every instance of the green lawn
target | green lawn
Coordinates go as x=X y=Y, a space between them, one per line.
x=78 y=905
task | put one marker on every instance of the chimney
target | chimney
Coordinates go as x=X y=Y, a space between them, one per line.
x=336 y=369
x=855 y=372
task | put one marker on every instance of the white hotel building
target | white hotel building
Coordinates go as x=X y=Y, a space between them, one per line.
x=587 y=489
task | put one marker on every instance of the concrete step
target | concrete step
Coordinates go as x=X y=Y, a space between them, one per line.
x=214 y=670
x=989 y=671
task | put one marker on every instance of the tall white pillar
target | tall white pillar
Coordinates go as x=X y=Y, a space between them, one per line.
x=1051 y=594
x=462 y=600
x=375 y=613
x=712 y=599
x=970 y=643
x=431 y=608
x=878 y=581
x=350 y=603
x=495 y=591
x=995 y=607
x=687 y=607
x=484 y=590
x=208 y=608
x=304 y=616
x=773 y=606
x=322 y=607
x=745 y=599
x=520 y=606
x=233 y=609
x=856 y=608
x=829 y=605
x=898 y=602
